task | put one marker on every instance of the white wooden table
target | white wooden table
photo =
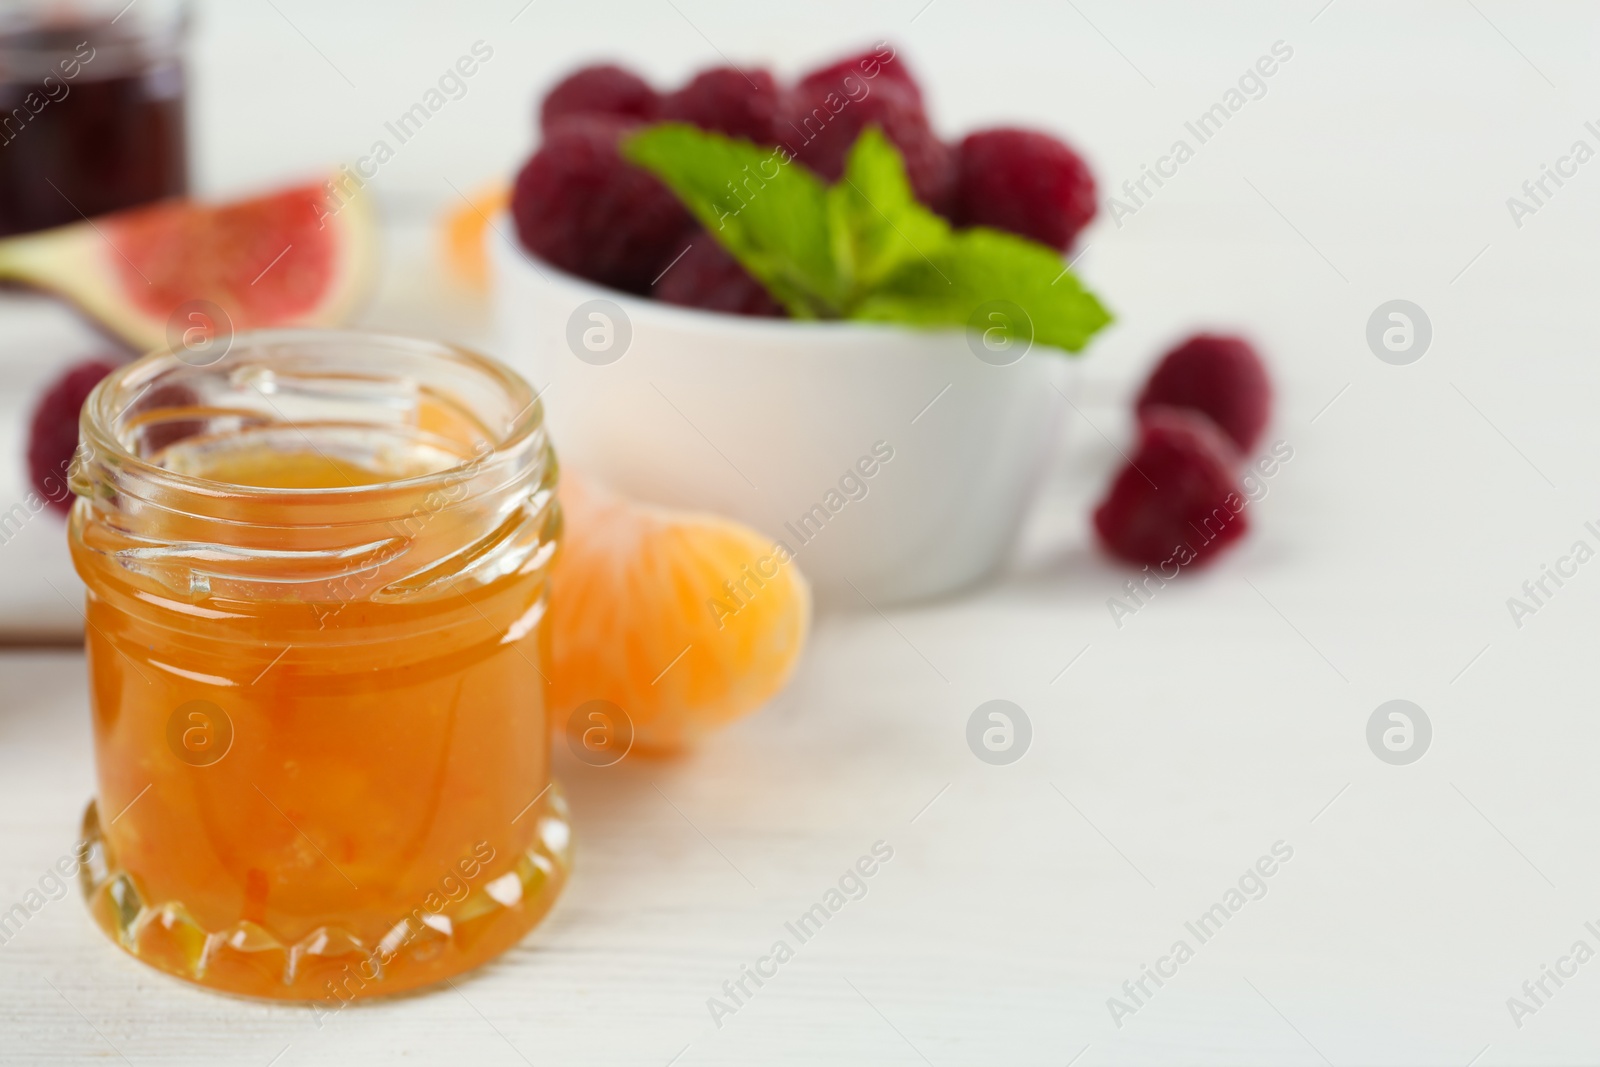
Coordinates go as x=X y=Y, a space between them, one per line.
x=1169 y=754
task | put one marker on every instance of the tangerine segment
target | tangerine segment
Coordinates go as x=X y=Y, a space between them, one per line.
x=685 y=622
x=465 y=229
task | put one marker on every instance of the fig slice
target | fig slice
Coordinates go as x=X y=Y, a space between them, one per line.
x=302 y=256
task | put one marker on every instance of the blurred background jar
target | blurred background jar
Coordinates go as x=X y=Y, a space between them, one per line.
x=91 y=108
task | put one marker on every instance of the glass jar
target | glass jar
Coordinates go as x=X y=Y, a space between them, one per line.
x=91 y=108
x=316 y=576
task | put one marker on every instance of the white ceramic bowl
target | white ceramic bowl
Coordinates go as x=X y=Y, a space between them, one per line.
x=892 y=462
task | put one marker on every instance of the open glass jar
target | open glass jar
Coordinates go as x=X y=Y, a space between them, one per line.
x=316 y=576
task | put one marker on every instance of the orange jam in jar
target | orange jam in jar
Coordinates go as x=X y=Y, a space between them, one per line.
x=316 y=576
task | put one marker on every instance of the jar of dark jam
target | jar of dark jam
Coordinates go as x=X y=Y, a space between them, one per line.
x=91 y=108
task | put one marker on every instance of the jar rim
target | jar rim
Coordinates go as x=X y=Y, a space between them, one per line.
x=101 y=412
x=152 y=34
x=150 y=503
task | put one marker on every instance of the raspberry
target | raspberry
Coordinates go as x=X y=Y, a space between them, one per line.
x=604 y=89
x=581 y=207
x=53 y=435
x=882 y=63
x=1194 y=507
x=730 y=102
x=822 y=135
x=1220 y=376
x=709 y=277
x=1024 y=182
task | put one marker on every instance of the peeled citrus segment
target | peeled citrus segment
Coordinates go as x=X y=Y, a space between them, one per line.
x=464 y=230
x=299 y=257
x=684 y=622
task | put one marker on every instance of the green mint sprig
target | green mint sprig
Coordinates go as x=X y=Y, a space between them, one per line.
x=862 y=248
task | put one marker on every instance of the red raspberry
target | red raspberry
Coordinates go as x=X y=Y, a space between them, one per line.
x=1024 y=182
x=580 y=206
x=53 y=435
x=723 y=99
x=1193 y=509
x=1220 y=376
x=826 y=113
x=603 y=89
x=883 y=62
x=709 y=277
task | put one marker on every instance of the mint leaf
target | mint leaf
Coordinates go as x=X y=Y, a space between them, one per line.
x=768 y=211
x=980 y=265
x=863 y=248
x=878 y=225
